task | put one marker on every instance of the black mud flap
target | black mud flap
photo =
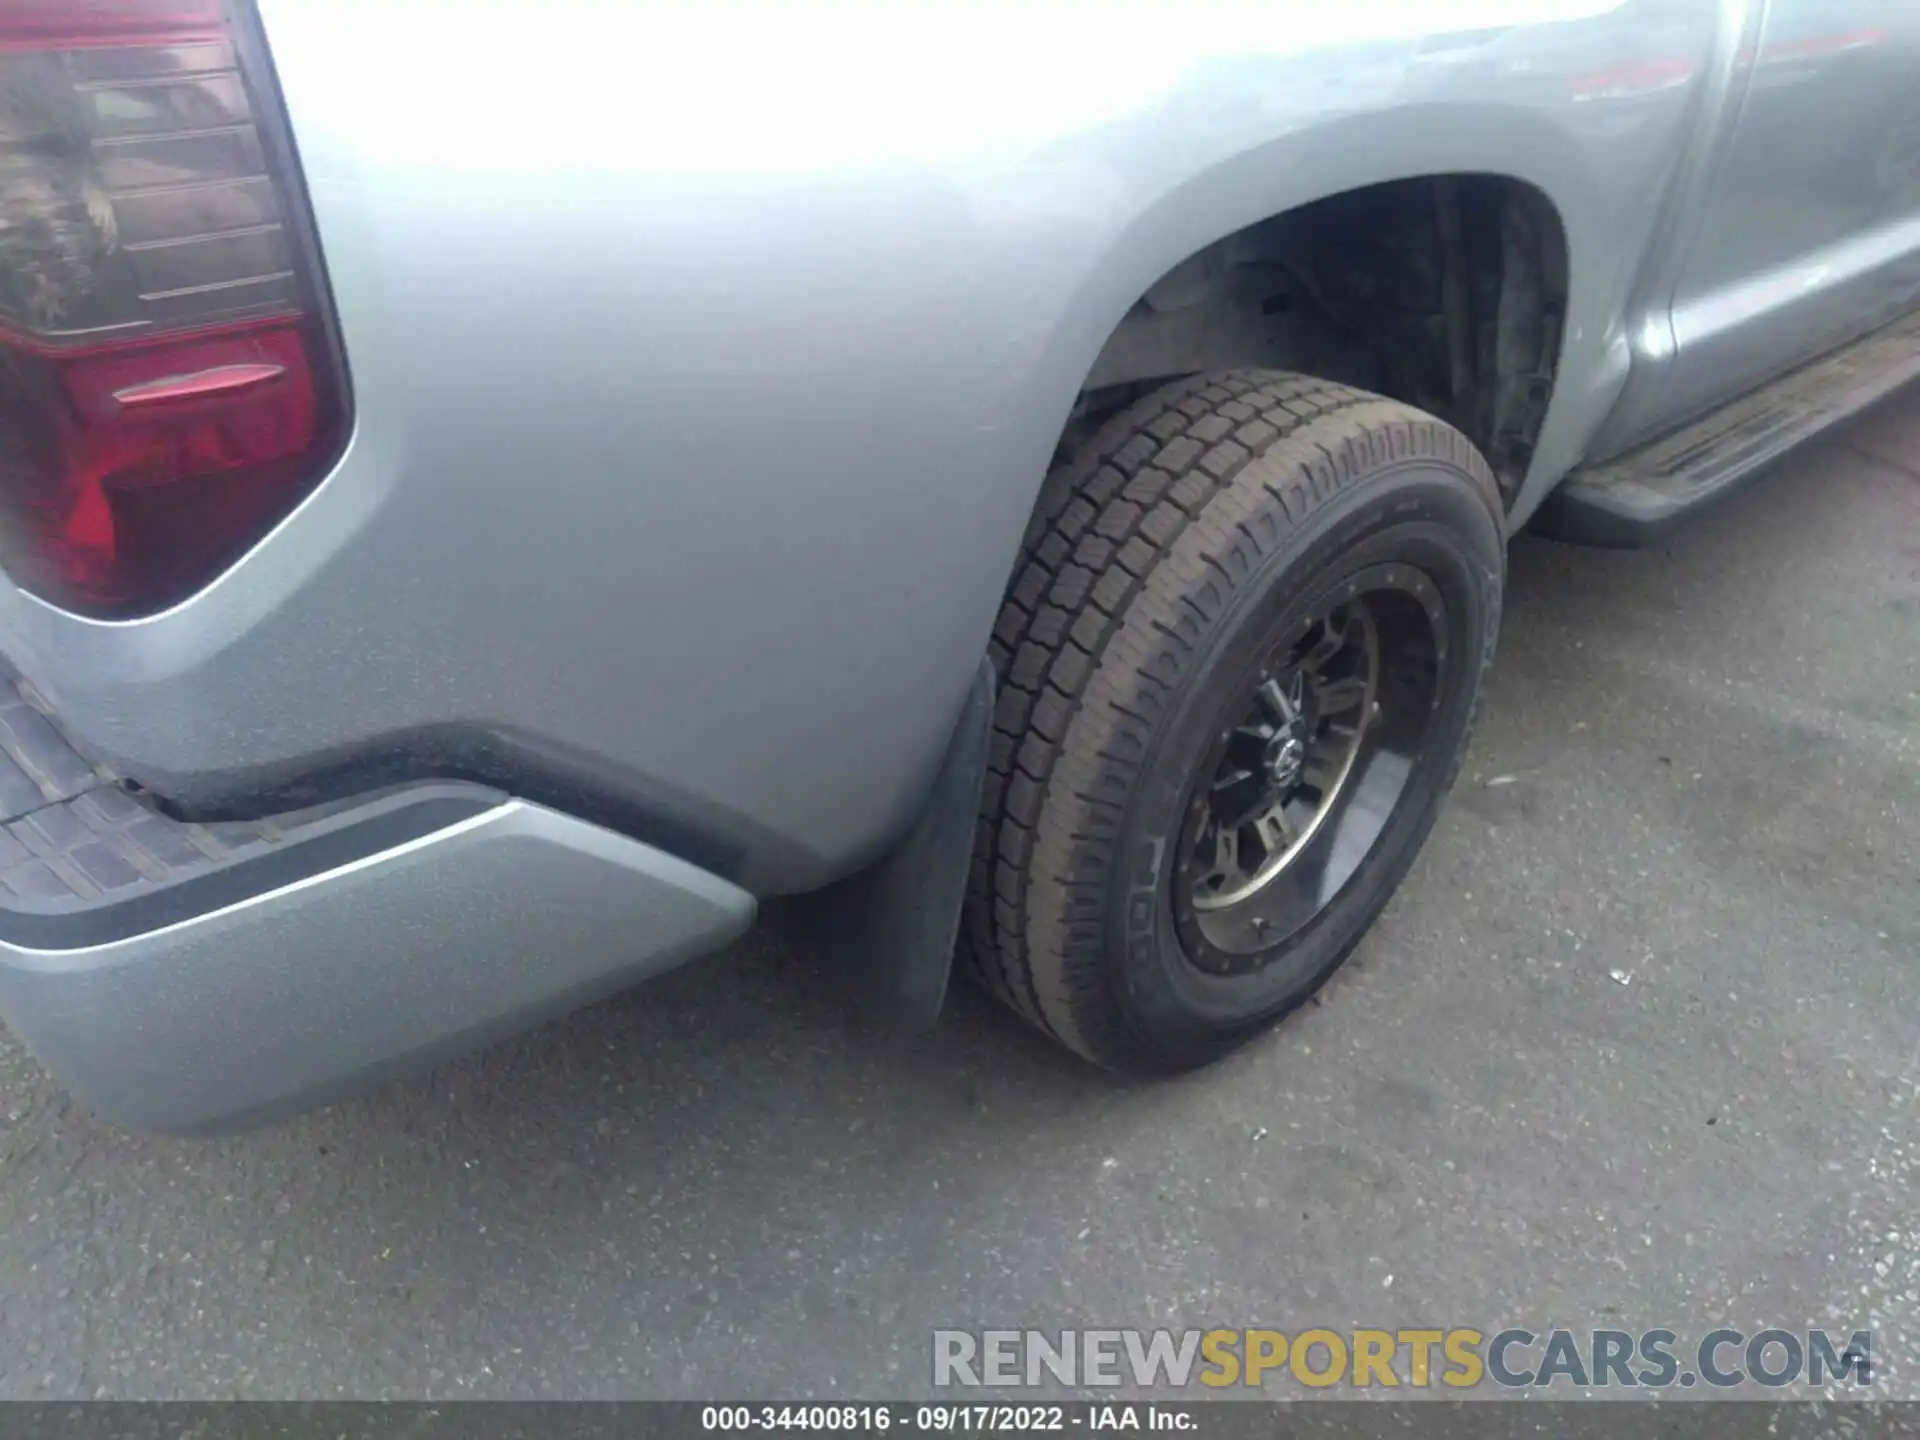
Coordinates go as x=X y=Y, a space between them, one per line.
x=888 y=932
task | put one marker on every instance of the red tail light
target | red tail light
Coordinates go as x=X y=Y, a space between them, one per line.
x=166 y=391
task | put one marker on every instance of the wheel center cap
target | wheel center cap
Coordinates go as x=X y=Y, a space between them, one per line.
x=1286 y=753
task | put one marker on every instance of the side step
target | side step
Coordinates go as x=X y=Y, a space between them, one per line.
x=1629 y=501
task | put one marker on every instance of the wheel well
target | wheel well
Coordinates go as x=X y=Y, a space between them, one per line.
x=1448 y=292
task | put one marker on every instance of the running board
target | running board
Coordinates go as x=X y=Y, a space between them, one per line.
x=1629 y=501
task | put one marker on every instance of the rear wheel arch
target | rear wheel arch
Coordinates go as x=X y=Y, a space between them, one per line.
x=1489 y=251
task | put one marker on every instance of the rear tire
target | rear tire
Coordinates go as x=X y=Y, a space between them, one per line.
x=1170 y=568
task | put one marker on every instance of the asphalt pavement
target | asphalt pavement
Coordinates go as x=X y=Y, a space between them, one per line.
x=1637 y=1045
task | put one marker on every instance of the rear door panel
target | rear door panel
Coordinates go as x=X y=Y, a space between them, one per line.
x=1810 y=231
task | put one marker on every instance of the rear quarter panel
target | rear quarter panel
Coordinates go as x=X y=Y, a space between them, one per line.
x=707 y=358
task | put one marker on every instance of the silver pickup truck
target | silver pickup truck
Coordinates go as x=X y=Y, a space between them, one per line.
x=489 y=497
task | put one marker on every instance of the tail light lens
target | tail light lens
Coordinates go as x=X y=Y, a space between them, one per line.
x=167 y=393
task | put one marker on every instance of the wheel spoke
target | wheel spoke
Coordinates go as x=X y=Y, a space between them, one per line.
x=1225 y=869
x=1336 y=697
x=1333 y=639
x=1247 y=743
x=1275 y=831
x=1319 y=773
x=1236 y=796
x=1274 y=696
